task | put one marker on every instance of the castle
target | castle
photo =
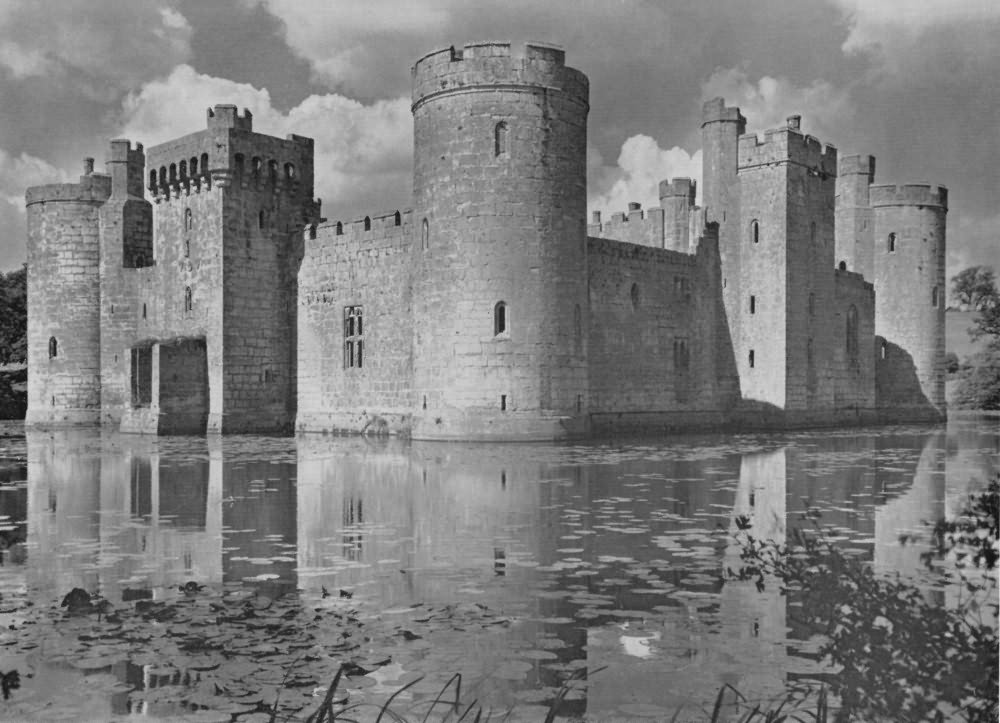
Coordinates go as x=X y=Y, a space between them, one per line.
x=211 y=295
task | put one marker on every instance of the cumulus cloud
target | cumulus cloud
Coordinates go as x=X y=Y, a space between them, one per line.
x=767 y=103
x=642 y=164
x=17 y=172
x=97 y=49
x=363 y=152
x=873 y=23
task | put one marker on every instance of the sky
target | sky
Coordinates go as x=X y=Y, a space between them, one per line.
x=915 y=83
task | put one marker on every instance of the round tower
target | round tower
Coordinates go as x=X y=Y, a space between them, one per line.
x=910 y=292
x=499 y=266
x=64 y=349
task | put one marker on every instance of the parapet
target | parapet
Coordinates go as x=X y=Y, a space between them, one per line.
x=910 y=194
x=787 y=145
x=226 y=116
x=679 y=187
x=453 y=70
x=716 y=110
x=94 y=188
x=858 y=165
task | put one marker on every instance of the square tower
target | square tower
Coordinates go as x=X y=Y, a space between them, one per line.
x=202 y=335
x=786 y=237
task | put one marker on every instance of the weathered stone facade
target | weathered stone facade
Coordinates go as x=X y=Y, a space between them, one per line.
x=214 y=297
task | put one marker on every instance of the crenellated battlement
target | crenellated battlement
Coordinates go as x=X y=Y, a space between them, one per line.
x=221 y=157
x=716 y=110
x=227 y=116
x=92 y=188
x=679 y=187
x=858 y=165
x=367 y=227
x=493 y=65
x=910 y=194
x=786 y=145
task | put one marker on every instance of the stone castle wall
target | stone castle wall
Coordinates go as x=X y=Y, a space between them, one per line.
x=345 y=266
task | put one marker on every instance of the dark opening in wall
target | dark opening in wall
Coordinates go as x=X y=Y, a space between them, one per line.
x=500 y=139
x=238 y=161
x=753 y=304
x=882 y=350
x=755 y=231
x=256 y=165
x=152 y=180
x=425 y=234
x=842 y=266
x=891 y=241
x=173 y=172
x=751 y=359
x=353 y=337
x=289 y=171
x=634 y=296
x=53 y=347
x=934 y=296
x=261 y=219
x=184 y=170
x=397 y=218
x=340 y=228
x=425 y=401
x=503 y=402
x=142 y=376
x=503 y=479
x=193 y=167
x=204 y=164
x=312 y=231
x=499 y=318
x=188 y=219
x=368 y=223
x=143 y=311
x=812 y=232
x=188 y=301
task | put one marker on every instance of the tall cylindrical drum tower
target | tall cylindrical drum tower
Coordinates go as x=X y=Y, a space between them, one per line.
x=500 y=306
x=64 y=305
x=910 y=298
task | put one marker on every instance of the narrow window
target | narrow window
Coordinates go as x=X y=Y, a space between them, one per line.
x=682 y=357
x=152 y=180
x=500 y=141
x=892 y=242
x=353 y=337
x=578 y=329
x=255 y=167
x=173 y=172
x=755 y=231
x=340 y=228
x=503 y=402
x=934 y=296
x=882 y=350
x=289 y=171
x=851 y=342
x=261 y=219
x=238 y=161
x=187 y=248
x=312 y=231
x=397 y=218
x=751 y=359
x=842 y=266
x=163 y=175
x=272 y=173
x=184 y=170
x=500 y=318
x=425 y=233
x=425 y=401
x=368 y=223
x=53 y=347
x=634 y=296
x=188 y=303
x=188 y=219
x=193 y=167
x=753 y=304
x=204 y=163
x=143 y=311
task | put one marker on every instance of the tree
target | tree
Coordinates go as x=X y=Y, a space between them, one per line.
x=987 y=323
x=975 y=287
x=14 y=316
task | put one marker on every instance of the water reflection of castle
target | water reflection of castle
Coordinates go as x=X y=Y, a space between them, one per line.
x=558 y=542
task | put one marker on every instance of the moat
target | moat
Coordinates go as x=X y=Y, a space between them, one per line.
x=239 y=570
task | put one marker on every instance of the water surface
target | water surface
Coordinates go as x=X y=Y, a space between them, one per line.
x=239 y=570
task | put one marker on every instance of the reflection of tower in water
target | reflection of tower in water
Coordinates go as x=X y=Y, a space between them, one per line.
x=445 y=528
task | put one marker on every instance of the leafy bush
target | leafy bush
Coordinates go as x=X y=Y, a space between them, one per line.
x=896 y=656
